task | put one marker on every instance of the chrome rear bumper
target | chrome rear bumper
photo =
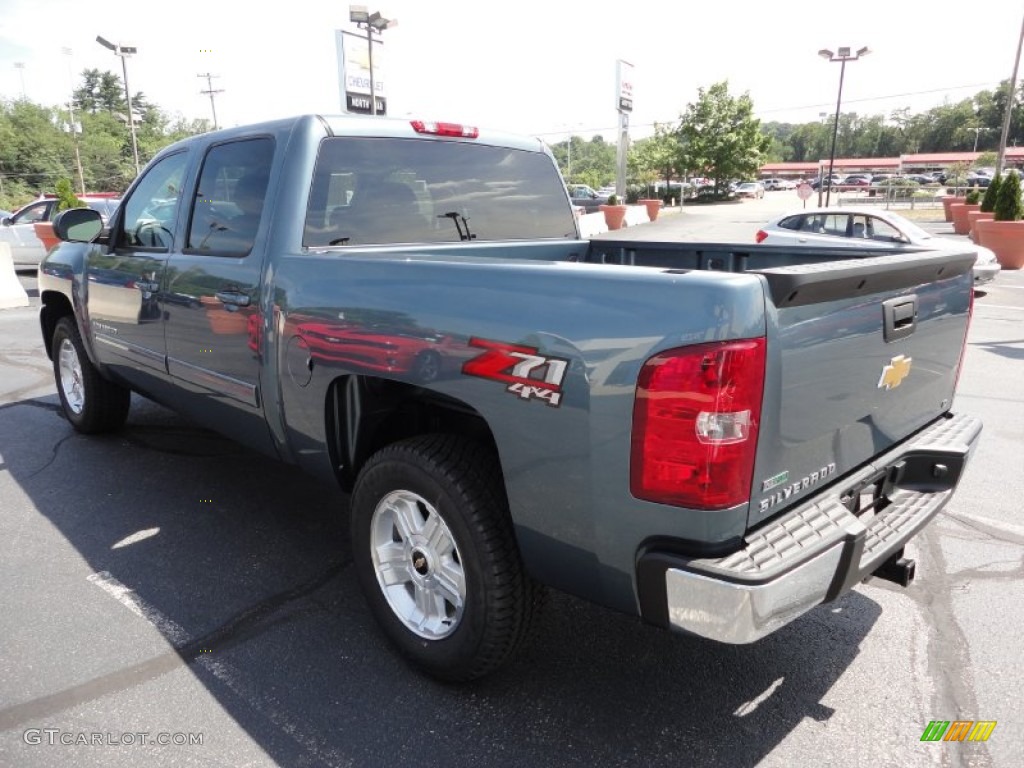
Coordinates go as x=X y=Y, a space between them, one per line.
x=814 y=553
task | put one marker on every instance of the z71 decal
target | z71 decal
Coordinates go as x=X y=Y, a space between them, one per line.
x=528 y=374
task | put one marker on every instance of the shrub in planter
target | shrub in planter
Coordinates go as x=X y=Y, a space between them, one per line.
x=973 y=197
x=614 y=212
x=988 y=202
x=1008 y=205
x=1005 y=234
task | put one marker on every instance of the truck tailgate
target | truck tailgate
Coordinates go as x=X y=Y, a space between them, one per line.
x=861 y=355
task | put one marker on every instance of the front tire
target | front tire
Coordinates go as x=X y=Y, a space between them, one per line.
x=436 y=557
x=91 y=403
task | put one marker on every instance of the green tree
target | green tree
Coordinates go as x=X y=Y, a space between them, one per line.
x=985 y=160
x=720 y=136
x=34 y=152
x=656 y=157
x=592 y=162
x=956 y=174
x=66 y=197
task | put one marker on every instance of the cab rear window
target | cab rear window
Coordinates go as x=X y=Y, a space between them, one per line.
x=370 y=191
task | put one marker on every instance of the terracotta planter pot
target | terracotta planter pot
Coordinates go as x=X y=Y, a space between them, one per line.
x=1006 y=239
x=973 y=217
x=960 y=210
x=44 y=231
x=614 y=215
x=653 y=207
x=947 y=201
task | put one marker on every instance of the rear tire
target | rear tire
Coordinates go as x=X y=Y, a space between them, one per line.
x=91 y=403
x=436 y=556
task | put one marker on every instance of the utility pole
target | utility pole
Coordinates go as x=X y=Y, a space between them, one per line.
x=73 y=126
x=209 y=90
x=1011 y=92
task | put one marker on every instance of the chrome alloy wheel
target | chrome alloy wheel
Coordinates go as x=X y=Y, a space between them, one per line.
x=418 y=565
x=70 y=368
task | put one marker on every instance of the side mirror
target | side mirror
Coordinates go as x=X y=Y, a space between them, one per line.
x=6 y=221
x=78 y=225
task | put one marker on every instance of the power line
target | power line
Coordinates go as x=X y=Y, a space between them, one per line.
x=877 y=98
x=613 y=128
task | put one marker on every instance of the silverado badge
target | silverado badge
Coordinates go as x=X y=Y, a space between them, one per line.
x=895 y=372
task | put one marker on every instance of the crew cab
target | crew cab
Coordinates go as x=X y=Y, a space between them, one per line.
x=713 y=437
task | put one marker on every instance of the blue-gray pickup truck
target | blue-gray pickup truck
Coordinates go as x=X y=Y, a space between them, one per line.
x=713 y=437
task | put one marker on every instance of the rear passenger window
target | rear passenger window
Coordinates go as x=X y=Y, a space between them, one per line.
x=228 y=205
x=792 y=222
x=836 y=225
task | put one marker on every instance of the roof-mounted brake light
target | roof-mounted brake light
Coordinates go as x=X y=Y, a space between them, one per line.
x=445 y=129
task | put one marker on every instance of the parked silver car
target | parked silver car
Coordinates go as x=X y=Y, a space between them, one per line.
x=17 y=229
x=867 y=228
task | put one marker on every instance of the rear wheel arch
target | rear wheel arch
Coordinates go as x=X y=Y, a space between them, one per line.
x=364 y=414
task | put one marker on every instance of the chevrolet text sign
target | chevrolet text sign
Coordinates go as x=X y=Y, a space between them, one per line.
x=354 y=73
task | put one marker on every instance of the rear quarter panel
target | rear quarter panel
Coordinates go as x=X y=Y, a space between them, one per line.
x=566 y=466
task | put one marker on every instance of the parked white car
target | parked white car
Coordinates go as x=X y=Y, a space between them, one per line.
x=774 y=184
x=867 y=228
x=752 y=189
x=17 y=230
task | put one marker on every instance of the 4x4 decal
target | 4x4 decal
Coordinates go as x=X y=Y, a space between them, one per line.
x=527 y=373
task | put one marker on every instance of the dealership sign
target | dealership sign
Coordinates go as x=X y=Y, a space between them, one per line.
x=624 y=86
x=354 y=73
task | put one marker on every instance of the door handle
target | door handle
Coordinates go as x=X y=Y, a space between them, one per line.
x=235 y=298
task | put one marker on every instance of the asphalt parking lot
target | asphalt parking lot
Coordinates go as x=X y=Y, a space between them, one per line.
x=166 y=585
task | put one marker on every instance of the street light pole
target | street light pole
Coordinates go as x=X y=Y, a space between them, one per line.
x=843 y=56
x=124 y=51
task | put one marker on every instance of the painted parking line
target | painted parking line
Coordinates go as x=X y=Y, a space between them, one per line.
x=178 y=636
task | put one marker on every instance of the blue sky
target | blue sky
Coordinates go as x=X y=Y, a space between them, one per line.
x=542 y=68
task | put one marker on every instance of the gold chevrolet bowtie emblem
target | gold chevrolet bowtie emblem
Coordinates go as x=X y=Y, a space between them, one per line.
x=895 y=372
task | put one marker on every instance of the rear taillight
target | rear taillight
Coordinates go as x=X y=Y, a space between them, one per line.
x=760 y=236
x=445 y=129
x=695 y=424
